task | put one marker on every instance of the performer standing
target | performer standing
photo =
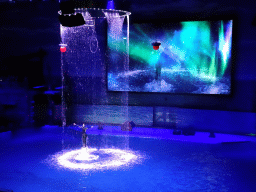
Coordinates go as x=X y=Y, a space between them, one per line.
x=84 y=135
x=158 y=64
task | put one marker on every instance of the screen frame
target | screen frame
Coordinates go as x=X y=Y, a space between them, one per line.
x=177 y=19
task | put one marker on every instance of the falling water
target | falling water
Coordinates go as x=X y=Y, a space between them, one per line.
x=84 y=90
x=117 y=42
x=84 y=66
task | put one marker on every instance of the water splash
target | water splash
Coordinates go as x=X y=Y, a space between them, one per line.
x=95 y=159
x=158 y=86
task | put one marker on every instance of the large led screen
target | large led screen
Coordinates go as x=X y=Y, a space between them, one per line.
x=193 y=57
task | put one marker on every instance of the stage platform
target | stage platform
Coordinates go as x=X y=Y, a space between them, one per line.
x=158 y=133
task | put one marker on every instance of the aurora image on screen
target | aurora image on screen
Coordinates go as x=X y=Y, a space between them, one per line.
x=194 y=58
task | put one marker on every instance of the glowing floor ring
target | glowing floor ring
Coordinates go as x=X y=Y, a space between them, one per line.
x=91 y=158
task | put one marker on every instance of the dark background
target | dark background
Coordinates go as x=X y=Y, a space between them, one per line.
x=30 y=37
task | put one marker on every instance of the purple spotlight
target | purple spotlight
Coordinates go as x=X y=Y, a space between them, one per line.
x=110 y=4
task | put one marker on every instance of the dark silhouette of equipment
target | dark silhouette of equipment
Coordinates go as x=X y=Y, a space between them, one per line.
x=127 y=126
x=212 y=135
x=68 y=17
x=25 y=68
x=176 y=132
x=156 y=45
x=188 y=131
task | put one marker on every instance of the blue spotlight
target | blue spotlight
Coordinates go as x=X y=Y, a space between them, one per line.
x=110 y=4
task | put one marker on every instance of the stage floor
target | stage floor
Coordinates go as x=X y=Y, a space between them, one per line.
x=53 y=158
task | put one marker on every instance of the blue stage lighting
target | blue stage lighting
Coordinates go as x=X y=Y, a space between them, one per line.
x=110 y=4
